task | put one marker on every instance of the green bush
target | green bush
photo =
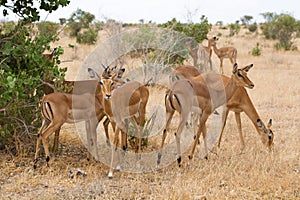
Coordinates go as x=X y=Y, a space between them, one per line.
x=79 y=20
x=256 y=51
x=198 y=31
x=48 y=29
x=89 y=36
x=280 y=27
x=7 y=27
x=234 y=29
x=252 y=27
x=22 y=69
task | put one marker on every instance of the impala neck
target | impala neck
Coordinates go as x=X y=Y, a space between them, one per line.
x=251 y=112
x=107 y=106
x=216 y=50
x=209 y=46
x=230 y=88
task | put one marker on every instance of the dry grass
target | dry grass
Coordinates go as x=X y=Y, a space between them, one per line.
x=254 y=174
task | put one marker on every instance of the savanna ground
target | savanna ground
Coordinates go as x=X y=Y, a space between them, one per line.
x=229 y=174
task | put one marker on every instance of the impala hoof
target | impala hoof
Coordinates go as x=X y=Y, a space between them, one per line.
x=118 y=168
x=158 y=158
x=110 y=176
x=179 y=161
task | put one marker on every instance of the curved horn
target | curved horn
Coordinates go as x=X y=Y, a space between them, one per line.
x=105 y=67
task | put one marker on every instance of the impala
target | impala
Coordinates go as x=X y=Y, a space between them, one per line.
x=239 y=102
x=59 y=108
x=81 y=87
x=202 y=53
x=200 y=96
x=224 y=52
x=125 y=102
x=50 y=56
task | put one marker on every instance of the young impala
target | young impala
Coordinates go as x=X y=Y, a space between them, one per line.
x=200 y=53
x=125 y=102
x=185 y=94
x=224 y=52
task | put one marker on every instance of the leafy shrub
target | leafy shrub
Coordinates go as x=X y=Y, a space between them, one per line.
x=7 y=27
x=234 y=29
x=89 y=36
x=280 y=27
x=22 y=68
x=252 y=27
x=198 y=31
x=48 y=29
x=256 y=51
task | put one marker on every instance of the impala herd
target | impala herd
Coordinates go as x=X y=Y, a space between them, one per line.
x=190 y=91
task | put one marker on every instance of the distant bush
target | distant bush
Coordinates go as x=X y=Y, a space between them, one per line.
x=89 y=36
x=256 y=51
x=81 y=20
x=198 y=31
x=252 y=27
x=280 y=27
x=48 y=29
x=62 y=21
x=7 y=27
x=234 y=29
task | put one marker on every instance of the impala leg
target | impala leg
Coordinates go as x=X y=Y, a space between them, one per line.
x=94 y=124
x=124 y=135
x=224 y=118
x=210 y=63
x=204 y=134
x=221 y=66
x=56 y=140
x=105 y=125
x=45 y=124
x=53 y=126
x=178 y=134
x=202 y=120
x=114 y=148
x=169 y=116
x=239 y=124
x=89 y=139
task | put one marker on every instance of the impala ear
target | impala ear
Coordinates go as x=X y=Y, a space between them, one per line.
x=93 y=74
x=247 y=68
x=114 y=68
x=104 y=67
x=235 y=67
x=261 y=125
x=269 y=123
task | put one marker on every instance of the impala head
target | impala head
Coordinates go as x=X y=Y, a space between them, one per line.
x=240 y=76
x=213 y=40
x=107 y=79
x=266 y=133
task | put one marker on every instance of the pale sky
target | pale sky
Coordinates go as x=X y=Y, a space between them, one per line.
x=159 y=11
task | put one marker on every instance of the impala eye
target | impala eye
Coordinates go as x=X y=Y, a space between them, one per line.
x=239 y=75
